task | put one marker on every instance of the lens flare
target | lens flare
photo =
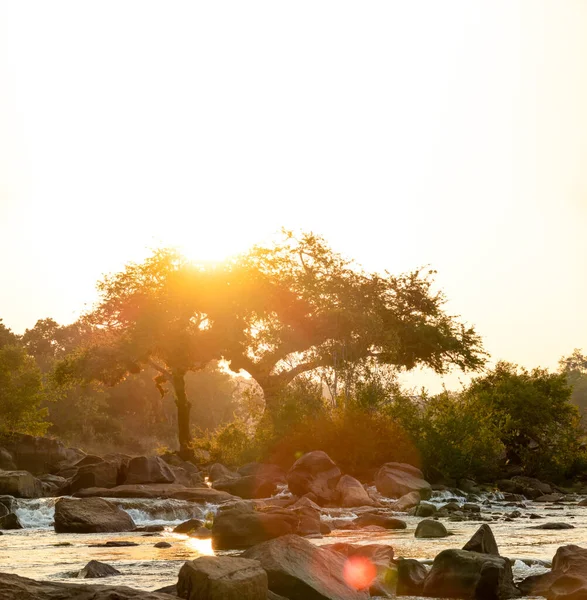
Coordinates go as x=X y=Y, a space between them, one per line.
x=359 y=572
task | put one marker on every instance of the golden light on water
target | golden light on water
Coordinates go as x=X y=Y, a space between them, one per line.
x=202 y=547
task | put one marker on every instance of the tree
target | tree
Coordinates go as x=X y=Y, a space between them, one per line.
x=575 y=369
x=338 y=316
x=21 y=389
x=158 y=315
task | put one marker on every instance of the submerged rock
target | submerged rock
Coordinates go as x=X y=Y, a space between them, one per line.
x=97 y=569
x=395 y=480
x=222 y=578
x=90 y=515
x=299 y=570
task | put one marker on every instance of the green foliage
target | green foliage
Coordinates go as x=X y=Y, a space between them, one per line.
x=575 y=369
x=21 y=393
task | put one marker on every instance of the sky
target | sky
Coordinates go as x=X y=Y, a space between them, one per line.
x=451 y=134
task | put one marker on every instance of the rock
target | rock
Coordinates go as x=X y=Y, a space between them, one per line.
x=469 y=486
x=7 y=461
x=90 y=515
x=566 y=581
x=352 y=493
x=299 y=570
x=394 y=480
x=240 y=528
x=3 y=511
x=168 y=589
x=150 y=528
x=20 y=484
x=553 y=525
x=218 y=472
x=384 y=521
x=188 y=526
x=315 y=472
x=549 y=498
x=430 y=529
x=153 y=490
x=424 y=509
x=533 y=483
x=9 y=502
x=89 y=459
x=187 y=478
x=13 y=587
x=10 y=521
x=96 y=475
x=162 y=545
x=97 y=569
x=204 y=495
x=222 y=578
x=37 y=455
x=114 y=544
x=264 y=471
x=582 y=502
x=410 y=577
x=308 y=521
x=148 y=469
x=406 y=502
x=482 y=541
x=462 y=574
x=248 y=486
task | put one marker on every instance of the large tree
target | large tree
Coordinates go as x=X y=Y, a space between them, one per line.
x=337 y=315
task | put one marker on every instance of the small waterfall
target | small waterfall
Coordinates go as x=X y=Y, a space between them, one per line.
x=38 y=513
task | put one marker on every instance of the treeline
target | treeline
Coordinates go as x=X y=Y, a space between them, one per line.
x=314 y=344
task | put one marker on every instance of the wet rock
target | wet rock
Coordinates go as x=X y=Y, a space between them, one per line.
x=553 y=525
x=430 y=529
x=162 y=545
x=189 y=526
x=535 y=516
x=468 y=507
x=9 y=502
x=299 y=570
x=406 y=502
x=424 y=509
x=482 y=541
x=410 y=577
x=222 y=578
x=10 y=521
x=114 y=544
x=462 y=574
x=394 y=480
x=90 y=515
x=20 y=484
x=384 y=521
x=151 y=528
x=315 y=472
x=13 y=587
x=248 y=486
x=96 y=569
x=352 y=493
x=240 y=528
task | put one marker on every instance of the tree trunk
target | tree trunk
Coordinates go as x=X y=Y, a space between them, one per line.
x=271 y=397
x=183 y=416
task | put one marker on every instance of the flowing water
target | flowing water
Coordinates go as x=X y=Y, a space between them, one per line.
x=40 y=553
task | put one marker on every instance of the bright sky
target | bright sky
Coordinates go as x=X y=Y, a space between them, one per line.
x=407 y=133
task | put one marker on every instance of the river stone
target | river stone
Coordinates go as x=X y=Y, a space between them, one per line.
x=95 y=569
x=299 y=570
x=482 y=541
x=369 y=519
x=188 y=526
x=13 y=587
x=148 y=469
x=90 y=515
x=20 y=484
x=247 y=486
x=316 y=473
x=425 y=509
x=430 y=529
x=352 y=493
x=411 y=574
x=462 y=574
x=241 y=528
x=10 y=521
x=553 y=525
x=162 y=545
x=394 y=480
x=222 y=578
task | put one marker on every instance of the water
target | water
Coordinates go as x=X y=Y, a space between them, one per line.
x=36 y=552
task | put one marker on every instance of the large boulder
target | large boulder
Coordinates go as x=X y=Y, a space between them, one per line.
x=428 y=528
x=90 y=515
x=218 y=472
x=95 y=569
x=37 y=455
x=299 y=570
x=20 y=484
x=243 y=527
x=394 y=480
x=13 y=587
x=566 y=581
x=411 y=575
x=316 y=473
x=247 y=486
x=462 y=574
x=148 y=469
x=482 y=541
x=352 y=493
x=189 y=477
x=407 y=502
x=95 y=475
x=222 y=578
x=10 y=521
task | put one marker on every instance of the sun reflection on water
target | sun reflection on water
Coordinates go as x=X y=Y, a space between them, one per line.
x=203 y=547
